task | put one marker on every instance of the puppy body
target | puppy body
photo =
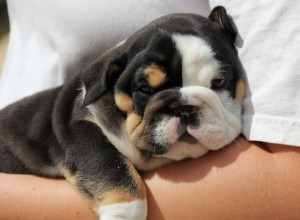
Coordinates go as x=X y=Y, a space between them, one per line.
x=170 y=91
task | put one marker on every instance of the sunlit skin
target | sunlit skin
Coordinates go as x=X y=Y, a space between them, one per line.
x=246 y=180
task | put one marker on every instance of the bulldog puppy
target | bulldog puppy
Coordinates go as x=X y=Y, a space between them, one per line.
x=172 y=90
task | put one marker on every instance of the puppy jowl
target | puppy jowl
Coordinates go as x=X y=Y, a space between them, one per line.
x=166 y=93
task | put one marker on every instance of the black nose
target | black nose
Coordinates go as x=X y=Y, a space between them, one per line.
x=179 y=110
x=187 y=109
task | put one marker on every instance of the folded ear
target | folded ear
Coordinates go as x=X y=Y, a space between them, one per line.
x=101 y=75
x=220 y=17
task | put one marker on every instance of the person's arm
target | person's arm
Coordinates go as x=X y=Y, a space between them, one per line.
x=241 y=181
x=26 y=197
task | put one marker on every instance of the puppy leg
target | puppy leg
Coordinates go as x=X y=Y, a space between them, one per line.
x=120 y=196
x=104 y=177
x=122 y=203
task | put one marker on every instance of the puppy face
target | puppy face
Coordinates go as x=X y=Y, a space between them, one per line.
x=170 y=91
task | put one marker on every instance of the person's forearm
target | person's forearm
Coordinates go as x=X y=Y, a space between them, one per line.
x=241 y=181
x=28 y=197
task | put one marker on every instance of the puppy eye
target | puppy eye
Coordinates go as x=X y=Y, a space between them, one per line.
x=145 y=89
x=219 y=83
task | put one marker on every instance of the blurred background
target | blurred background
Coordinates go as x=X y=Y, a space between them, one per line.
x=4 y=30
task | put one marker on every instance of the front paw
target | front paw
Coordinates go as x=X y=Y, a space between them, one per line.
x=135 y=210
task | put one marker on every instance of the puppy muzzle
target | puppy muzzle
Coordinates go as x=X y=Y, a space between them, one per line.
x=166 y=119
x=193 y=116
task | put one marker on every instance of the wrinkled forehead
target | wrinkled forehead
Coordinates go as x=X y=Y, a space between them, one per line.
x=190 y=43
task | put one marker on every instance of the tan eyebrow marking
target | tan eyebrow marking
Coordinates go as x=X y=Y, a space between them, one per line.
x=154 y=75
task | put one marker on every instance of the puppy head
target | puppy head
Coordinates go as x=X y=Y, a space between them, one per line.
x=172 y=90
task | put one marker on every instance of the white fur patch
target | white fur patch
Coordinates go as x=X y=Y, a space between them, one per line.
x=136 y=210
x=165 y=131
x=199 y=65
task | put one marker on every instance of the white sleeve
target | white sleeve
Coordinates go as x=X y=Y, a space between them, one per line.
x=50 y=39
x=269 y=49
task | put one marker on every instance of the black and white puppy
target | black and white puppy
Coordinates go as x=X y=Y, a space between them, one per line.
x=172 y=90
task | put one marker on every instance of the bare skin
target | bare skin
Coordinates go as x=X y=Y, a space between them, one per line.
x=246 y=180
